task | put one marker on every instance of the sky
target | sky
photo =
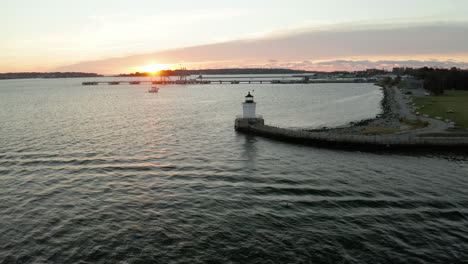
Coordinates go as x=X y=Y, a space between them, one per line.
x=119 y=36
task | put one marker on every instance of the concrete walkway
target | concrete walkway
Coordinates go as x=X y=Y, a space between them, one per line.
x=404 y=110
x=375 y=142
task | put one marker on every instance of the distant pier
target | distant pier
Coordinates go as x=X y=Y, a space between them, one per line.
x=231 y=80
x=145 y=82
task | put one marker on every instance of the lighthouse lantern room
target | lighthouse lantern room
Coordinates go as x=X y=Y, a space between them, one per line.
x=249 y=98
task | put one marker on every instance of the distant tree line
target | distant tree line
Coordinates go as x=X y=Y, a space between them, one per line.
x=31 y=75
x=369 y=73
x=387 y=80
x=216 y=71
x=437 y=80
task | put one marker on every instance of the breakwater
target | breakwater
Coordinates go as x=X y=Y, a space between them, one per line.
x=358 y=142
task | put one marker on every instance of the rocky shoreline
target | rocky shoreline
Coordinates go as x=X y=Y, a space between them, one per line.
x=388 y=118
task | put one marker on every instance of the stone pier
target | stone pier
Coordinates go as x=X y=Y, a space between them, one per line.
x=243 y=124
x=358 y=142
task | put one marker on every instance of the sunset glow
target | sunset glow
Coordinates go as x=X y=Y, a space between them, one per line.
x=154 y=68
x=312 y=35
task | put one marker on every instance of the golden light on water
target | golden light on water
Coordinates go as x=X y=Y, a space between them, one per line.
x=154 y=68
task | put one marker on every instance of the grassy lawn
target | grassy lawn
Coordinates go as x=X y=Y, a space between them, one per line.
x=453 y=134
x=439 y=105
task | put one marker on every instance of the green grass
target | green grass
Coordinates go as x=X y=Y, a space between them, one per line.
x=439 y=105
x=454 y=134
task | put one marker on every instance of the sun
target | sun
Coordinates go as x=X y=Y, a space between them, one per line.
x=153 y=68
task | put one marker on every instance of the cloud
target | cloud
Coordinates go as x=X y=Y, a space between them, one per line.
x=351 y=65
x=442 y=44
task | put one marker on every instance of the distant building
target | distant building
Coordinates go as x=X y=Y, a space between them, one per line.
x=398 y=70
x=381 y=76
x=372 y=72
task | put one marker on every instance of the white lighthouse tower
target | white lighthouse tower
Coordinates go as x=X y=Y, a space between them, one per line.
x=248 y=106
x=248 y=117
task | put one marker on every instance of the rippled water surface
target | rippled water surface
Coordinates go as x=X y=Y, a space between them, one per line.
x=112 y=174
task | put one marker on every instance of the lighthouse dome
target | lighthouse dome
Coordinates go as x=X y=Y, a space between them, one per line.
x=249 y=98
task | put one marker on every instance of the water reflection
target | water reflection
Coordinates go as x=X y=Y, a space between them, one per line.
x=123 y=177
x=249 y=150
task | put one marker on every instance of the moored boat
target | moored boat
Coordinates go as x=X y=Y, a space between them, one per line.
x=153 y=89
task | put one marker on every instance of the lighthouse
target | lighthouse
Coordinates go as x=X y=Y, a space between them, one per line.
x=248 y=106
x=248 y=117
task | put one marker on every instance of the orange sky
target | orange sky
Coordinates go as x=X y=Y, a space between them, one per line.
x=328 y=50
x=110 y=37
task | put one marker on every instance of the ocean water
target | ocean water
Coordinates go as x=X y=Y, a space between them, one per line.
x=113 y=174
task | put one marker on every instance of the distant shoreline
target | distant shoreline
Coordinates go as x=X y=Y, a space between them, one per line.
x=216 y=72
x=46 y=75
x=57 y=75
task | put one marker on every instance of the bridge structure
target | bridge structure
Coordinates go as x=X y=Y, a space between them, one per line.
x=266 y=79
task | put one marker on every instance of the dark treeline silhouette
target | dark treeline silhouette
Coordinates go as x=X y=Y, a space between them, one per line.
x=33 y=75
x=437 y=80
x=387 y=80
x=216 y=71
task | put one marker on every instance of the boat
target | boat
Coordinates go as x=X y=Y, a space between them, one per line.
x=153 y=89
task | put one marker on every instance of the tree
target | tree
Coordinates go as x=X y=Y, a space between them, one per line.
x=387 y=80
